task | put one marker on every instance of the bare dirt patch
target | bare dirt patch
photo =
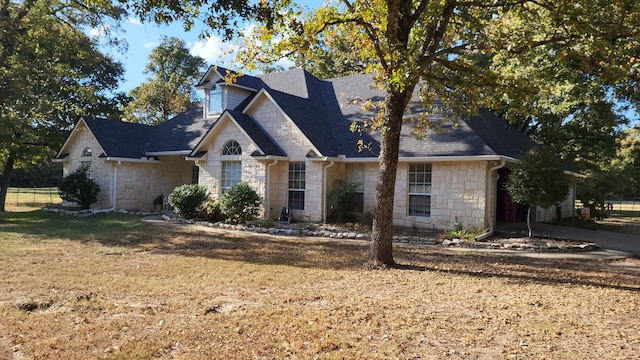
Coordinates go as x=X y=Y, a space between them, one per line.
x=181 y=293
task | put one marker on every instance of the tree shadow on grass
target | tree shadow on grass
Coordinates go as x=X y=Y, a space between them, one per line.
x=127 y=231
x=520 y=270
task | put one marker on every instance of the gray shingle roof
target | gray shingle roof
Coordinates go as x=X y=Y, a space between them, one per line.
x=120 y=139
x=180 y=133
x=257 y=134
x=324 y=111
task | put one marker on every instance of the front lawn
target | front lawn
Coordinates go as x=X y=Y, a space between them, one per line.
x=110 y=286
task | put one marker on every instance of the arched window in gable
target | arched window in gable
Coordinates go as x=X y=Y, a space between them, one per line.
x=232 y=148
x=86 y=152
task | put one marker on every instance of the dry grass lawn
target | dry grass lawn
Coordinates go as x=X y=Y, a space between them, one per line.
x=112 y=287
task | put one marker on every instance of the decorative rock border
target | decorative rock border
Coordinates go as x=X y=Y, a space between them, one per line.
x=537 y=245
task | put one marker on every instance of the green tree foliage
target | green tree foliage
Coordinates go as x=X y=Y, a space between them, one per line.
x=51 y=72
x=80 y=188
x=187 y=199
x=169 y=89
x=240 y=204
x=537 y=180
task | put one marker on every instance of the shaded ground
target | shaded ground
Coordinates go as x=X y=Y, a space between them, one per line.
x=132 y=291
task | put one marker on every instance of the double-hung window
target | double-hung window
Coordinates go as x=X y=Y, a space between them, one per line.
x=354 y=173
x=231 y=165
x=296 y=185
x=420 y=190
x=215 y=99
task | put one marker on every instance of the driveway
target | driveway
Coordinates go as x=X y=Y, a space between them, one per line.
x=604 y=239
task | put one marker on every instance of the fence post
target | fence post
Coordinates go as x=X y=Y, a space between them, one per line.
x=17 y=196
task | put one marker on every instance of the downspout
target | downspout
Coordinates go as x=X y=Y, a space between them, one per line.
x=489 y=205
x=267 y=193
x=114 y=191
x=324 y=191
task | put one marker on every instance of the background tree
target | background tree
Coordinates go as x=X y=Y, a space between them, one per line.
x=50 y=73
x=169 y=89
x=537 y=180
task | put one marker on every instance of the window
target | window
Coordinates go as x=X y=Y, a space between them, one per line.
x=195 y=174
x=354 y=173
x=86 y=152
x=296 y=185
x=231 y=174
x=232 y=148
x=420 y=190
x=215 y=99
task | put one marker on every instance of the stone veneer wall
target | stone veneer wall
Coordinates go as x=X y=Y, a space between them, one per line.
x=140 y=183
x=458 y=195
x=253 y=172
x=567 y=208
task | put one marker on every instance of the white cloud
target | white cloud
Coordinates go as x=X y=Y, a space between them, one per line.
x=99 y=31
x=150 y=45
x=134 y=21
x=214 y=51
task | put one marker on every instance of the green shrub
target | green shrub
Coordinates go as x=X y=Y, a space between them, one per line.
x=240 y=203
x=461 y=233
x=79 y=187
x=187 y=199
x=342 y=200
x=210 y=210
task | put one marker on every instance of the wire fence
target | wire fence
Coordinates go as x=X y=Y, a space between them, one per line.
x=33 y=196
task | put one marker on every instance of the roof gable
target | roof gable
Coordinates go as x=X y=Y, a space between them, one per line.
x=253 y=131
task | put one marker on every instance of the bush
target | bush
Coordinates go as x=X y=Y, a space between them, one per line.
x=210 y=211
x=187 y=199
x=240 y=203
x=80 y=188
x=342 y=200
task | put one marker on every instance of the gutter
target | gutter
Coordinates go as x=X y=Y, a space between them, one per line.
x=488 y=205
x=114 y=191
x=267 y=193
x=324 y=191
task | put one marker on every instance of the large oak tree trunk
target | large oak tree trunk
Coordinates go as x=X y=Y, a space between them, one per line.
x=382 y=232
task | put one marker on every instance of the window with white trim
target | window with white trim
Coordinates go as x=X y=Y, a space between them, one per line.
x=215 y=99
x=420 y=190
x=354 y=173
x=297 y=172
x=231 y=174
x=86 y=152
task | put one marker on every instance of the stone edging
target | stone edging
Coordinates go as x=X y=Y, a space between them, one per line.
x=542 y=245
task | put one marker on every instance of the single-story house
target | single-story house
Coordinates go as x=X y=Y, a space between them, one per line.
x=288 y=136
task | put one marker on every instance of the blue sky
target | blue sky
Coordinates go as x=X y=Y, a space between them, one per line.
x=142 y=38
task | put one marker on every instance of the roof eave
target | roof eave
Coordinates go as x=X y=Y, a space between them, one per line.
x=167 y=153
x=145 y=160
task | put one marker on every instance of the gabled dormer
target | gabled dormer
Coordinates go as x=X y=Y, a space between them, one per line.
x=225 y=89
